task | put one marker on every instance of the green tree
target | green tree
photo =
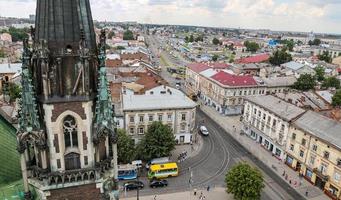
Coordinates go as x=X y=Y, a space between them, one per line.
x=315 y=42
x=305 y=82
x=18 y=34
x=279 y=57
x=199 y=38
x=120 y=48
x=126 y=150
x=325 y=56
x=331 y=82
x=111 y=34
x=2 y=53
x=215 y=57
x=244 y=182
x=215 y=41
x=187 y=39
x=14 y=91
x=158 y=141
x=336 y=100
x=191 y=38
x=288 y=43
x=251 y=46
x=319 y=73
x=128 y=35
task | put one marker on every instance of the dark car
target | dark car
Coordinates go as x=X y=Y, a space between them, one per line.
x=133 y=185
x=158 y=183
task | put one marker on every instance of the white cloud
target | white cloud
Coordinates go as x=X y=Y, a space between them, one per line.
x=305 y=15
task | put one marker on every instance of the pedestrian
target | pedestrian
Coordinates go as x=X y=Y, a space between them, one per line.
x=306 y=193
x=283 y=173
x=195 y=192
x=208 y=188
x=155 y=197
x=204 y=197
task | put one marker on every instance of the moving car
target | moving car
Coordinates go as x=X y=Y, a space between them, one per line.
x=204 y=131
x=133 y=185
x=158 y=183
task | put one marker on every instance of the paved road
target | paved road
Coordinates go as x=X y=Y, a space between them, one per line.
x=219 y=152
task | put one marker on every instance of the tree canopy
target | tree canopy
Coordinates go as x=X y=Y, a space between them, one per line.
x=244 y=182
x=128 y=35
x=2 y=53
x=288 y=43
x=18 y=34
x=319 y=73
x=305 y=82
x=251 y=46
x=315 y=42
x=126 y=151
x=215 y=41
x=325 y=56
x=336 y=100
x=215 y=57
x=279 y=57
x=158 y=141
x=331 y=82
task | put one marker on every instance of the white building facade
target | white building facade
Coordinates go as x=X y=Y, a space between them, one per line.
x=267 y=120
x=164 y=104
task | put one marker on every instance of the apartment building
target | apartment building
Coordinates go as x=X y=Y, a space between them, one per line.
x=164 y=104
x=267 y=120
x=314 y=150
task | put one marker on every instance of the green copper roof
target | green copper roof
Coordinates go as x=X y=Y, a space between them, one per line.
x=28 y=115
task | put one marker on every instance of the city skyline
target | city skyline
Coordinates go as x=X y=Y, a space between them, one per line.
x=282 y=15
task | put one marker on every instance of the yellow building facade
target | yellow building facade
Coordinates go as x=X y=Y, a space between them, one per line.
x=313 y=149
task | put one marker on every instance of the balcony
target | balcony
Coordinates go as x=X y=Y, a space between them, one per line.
x=321 y=174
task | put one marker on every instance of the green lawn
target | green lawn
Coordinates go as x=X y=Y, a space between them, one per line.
x=9 y=157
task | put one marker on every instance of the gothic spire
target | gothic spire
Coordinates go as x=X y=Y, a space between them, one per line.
x=28 y=114
x=104 y=123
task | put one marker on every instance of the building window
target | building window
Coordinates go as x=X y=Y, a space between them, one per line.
x=293 y=136
x=337 y=177
x=315 y=147
x=245 y=92
x=312 y=160
x=264 y=116
x=255 y=111
x=301 y=153
x=338 y=161
x=274 y=122
x=151 y=118
x=160 y=118
x=70 y=132
x=240 y=93
x=259 y=114
x=291 y=147
x=131 y=119
x=183 y=117
x=141 y=118
x=326 y=155
x=304 y=142
x=131 y=131
x=169 y=117
x=254 y=92
x=141 y=130
x=323 y=168
x=183 y=127
x=85 y=160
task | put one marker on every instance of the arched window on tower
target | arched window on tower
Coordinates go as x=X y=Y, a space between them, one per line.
x=70 y=132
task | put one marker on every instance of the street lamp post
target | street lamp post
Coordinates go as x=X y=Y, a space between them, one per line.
x=138 y=185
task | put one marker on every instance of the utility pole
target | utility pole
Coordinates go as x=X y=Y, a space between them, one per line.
x=138 y=186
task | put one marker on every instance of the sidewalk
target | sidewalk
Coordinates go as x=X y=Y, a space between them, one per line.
x=215 y=194
x=192 y=150
x=227 y=123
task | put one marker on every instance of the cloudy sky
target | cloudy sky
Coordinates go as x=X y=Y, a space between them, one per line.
x=292 y=15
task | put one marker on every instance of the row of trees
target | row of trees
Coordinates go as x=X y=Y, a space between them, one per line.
x=158 y=141
x=191 y=38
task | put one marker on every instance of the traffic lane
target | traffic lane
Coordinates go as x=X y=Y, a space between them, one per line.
x=236 y=149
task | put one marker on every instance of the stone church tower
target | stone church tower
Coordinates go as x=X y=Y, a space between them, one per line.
x=66 y=135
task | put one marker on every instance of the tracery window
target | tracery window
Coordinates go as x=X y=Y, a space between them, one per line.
x=70 y=132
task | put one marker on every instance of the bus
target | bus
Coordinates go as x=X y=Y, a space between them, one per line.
x=165 y=170
x=127 y=172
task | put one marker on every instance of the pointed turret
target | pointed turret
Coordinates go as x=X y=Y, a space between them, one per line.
x=104 y=123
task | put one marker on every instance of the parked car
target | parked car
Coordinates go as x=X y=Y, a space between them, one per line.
x=158 y=183
x=137 y=163
x=133 y=185
x=204 y=131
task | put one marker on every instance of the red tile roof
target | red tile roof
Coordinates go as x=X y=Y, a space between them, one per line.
x=254 y=59
x=199 y=67
x=233 y=80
